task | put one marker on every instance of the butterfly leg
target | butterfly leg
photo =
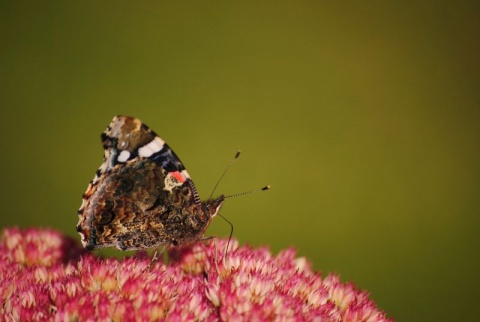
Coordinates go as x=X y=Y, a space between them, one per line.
x=216 y=257
x=207 y=238
x=226 y=248
x=156 y=254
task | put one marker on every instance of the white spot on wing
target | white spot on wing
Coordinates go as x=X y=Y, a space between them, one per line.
x=152 y=147
x=185 y=174
x=171 y=182
x=123 y=156
x=160 y=141
x=144 y=151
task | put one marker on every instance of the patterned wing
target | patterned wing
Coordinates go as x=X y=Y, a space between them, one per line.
x=127 y=138
x=141 y=194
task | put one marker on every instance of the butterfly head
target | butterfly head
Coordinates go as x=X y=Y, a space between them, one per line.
x=212 y=206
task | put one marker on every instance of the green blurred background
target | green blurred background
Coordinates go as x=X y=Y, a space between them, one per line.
x=363 y=116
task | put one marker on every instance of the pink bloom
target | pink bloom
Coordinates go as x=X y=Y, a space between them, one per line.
x=48 y=277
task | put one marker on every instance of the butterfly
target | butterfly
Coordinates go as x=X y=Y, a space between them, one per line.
x=141 y=196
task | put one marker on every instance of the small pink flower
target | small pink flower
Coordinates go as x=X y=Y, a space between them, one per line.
x=48 y=277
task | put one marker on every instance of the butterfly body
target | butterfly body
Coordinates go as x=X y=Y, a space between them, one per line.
x=142 y=196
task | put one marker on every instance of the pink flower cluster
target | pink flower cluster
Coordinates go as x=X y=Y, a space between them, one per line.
x=48 y=277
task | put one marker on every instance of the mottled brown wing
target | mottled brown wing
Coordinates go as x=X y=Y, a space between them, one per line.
x=141 y=196
x=123 y=210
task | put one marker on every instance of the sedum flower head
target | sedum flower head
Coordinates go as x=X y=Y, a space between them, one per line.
x=45 y=276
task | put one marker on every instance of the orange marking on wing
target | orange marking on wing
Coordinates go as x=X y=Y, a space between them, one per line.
x=178 y=176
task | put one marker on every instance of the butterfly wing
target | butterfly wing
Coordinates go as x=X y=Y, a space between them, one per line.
x=141 y=196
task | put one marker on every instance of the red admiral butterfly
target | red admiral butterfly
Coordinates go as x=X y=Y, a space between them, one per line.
x=141 y=196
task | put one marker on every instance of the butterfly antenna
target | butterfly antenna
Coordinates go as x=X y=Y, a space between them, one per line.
x=248 y=192
x=229 y=165
x=224 y=172
x=231 y=225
